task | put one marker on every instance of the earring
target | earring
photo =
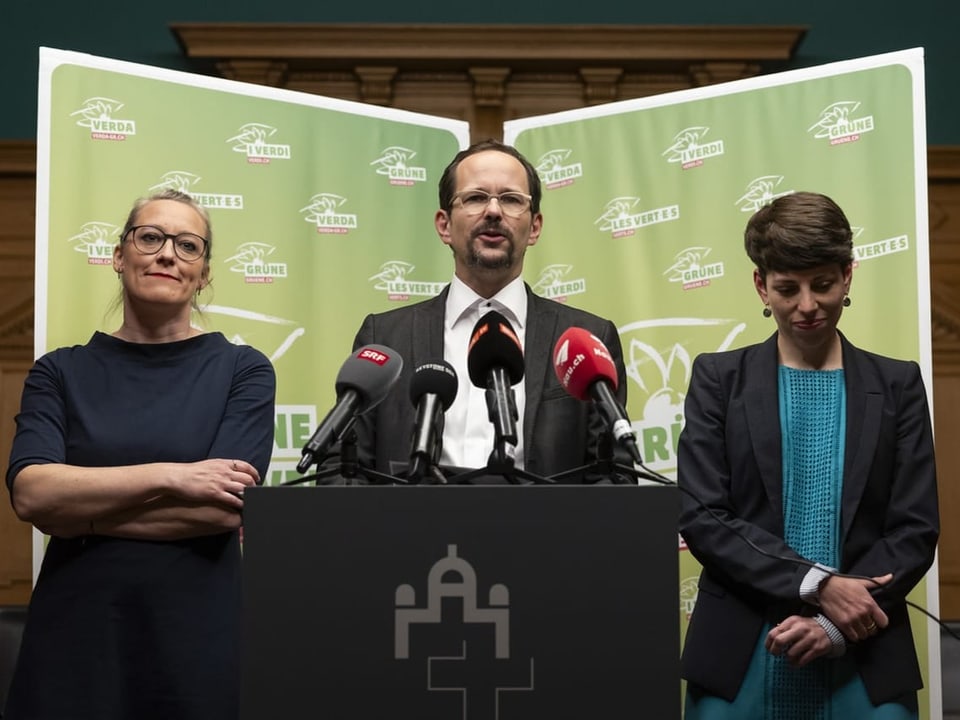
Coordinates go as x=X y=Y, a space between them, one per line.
x=767 y=312
x=846 y=301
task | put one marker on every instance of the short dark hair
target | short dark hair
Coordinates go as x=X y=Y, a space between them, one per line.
x=178 y=196
x=448 y=181
x=798 y=231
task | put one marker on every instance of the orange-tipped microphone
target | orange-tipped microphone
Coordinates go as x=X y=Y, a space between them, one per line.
x=495 y=362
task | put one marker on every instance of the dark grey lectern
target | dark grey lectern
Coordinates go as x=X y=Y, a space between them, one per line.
x=461 y=603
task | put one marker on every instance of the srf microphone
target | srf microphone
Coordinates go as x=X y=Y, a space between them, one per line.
x=433 y=388
x=495 y=362
x=363 y=381
x=586 y=370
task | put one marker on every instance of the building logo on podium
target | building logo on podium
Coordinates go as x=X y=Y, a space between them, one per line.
x=482 y=670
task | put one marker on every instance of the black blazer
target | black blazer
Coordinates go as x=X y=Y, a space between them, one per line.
x=729 y=456
x=559 y=432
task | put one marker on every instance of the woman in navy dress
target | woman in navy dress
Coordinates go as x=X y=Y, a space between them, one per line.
x=132 y=453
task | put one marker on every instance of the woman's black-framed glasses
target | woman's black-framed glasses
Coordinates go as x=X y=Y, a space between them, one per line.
x=149 y=240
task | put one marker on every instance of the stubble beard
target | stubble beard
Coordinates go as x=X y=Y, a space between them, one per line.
x=502 y=261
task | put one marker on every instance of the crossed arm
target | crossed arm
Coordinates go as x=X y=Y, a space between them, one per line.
x=157 y=501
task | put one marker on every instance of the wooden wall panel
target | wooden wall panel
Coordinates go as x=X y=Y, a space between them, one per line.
x=486 y=74
x=15 y=536
x=946 y=413
x=943 y=166
x=17 y=200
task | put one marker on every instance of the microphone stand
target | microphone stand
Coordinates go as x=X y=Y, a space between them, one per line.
x=606 y=466
x=428 y=473
x=422 y=468
x=437 y=474
x=432 y=475
x=502 y=412
x=348 y=469
x=513 y=475
x=501 y=463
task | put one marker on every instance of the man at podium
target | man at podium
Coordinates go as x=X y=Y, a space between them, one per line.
x=489 y=215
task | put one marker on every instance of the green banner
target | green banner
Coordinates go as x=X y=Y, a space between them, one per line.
x=322 y=212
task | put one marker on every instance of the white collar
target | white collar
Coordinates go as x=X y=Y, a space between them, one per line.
x=511 y=302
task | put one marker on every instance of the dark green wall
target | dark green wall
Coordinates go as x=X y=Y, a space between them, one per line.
x=139 y=32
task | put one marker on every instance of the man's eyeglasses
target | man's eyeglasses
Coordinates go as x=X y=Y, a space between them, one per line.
x=149 y=240
x=475 y=202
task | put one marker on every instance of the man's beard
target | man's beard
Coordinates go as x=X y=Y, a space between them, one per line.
x=477 y=258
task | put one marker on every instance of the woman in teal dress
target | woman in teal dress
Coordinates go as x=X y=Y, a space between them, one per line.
x=814 y=463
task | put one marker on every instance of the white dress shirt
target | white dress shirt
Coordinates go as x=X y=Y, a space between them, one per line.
x=468 y=434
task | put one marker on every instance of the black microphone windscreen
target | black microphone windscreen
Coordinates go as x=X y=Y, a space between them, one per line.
x=493 y=343
x=437 y=377
x=371 y=371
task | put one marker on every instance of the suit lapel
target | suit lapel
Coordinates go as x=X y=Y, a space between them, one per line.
x=762 y=408
x=864 y=409
x=541 y=329
x=427 y=331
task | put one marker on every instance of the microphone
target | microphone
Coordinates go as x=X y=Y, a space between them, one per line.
x=363 y=381
x=433 y=388
x=495 y=362
x=586 y=370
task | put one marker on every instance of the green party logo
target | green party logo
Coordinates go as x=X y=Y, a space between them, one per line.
x=293 y=425
x=620 y=219
x=552 y=170
x=183 y=181
x=688 y=596
x=659 y=376
x=251 y=141
x=394 y=163
x=838 y=124
x=691 y=269
x=554 y=283
x=690 y=147
x=96 y=241
x=252 y=261
x=321 y=211
x=761 y=191
x=391 y=278
x=98 y=114
x=881 y=248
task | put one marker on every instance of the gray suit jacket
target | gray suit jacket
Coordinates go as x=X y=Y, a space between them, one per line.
x=560 y=432
x=730 y=458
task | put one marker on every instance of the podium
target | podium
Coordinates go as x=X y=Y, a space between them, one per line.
x=461 y=602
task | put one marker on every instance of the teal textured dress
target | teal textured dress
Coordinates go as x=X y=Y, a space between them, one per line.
x=813 y=427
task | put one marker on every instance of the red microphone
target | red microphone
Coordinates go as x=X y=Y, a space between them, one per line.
x=580 y=358
x=586 y=370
